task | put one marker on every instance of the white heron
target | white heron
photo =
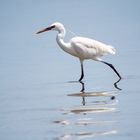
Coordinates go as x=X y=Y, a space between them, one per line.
x=82 y=47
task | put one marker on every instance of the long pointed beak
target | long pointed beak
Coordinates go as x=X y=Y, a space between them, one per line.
x=46 y=29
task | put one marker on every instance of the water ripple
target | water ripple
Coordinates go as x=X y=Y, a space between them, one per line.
x=100 y=104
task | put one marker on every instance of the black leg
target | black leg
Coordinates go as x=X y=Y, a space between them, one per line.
x=82 y=72
x=111 y=66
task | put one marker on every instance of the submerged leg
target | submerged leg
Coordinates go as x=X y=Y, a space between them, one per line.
x=111 y=66
x=82 y=71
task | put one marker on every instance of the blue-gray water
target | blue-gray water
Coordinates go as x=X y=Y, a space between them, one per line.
x=39 y=101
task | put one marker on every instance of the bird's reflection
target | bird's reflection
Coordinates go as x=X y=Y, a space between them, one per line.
x=83 y=90
x=84 y=94
x=116 y=84
x=93 y=102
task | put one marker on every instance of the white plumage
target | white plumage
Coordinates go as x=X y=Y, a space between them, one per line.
x=86 y=48
x=82 y=47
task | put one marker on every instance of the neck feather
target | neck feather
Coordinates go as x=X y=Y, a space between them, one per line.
x=63 y=45
x=60 y=40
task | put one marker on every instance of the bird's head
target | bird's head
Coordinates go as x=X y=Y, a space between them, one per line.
x=55 y=26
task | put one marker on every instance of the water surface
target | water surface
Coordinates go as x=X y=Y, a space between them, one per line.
x=39 y=99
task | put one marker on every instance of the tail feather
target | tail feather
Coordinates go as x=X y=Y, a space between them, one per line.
x=111 y=50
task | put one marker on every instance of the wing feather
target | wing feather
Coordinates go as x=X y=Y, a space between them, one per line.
x=90 y=49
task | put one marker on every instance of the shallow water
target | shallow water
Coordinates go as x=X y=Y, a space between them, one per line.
x=39 y=96
x=62 y=111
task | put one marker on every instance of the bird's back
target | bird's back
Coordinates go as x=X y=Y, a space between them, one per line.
x=87 y=48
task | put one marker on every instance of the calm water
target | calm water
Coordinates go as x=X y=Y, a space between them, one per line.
x=39 y=99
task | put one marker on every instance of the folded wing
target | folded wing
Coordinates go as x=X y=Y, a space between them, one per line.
x=86 y=48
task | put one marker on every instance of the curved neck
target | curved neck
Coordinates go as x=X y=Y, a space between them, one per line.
x=64 y=46
x=60 y=40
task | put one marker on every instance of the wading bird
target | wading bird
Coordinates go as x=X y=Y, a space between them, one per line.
x=82 y=47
